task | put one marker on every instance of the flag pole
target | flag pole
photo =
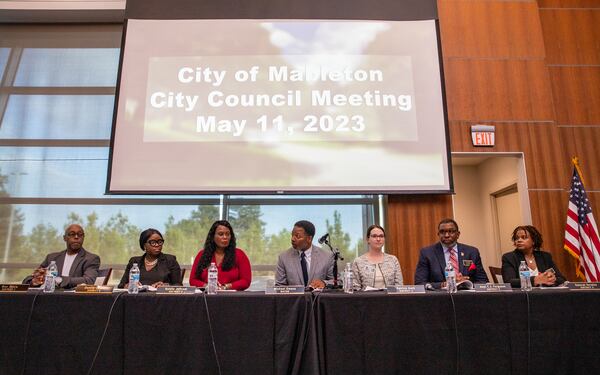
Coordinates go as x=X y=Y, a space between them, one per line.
x=575 y=161
x=578 y=269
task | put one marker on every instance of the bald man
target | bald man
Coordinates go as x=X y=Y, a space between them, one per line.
x=75 y=265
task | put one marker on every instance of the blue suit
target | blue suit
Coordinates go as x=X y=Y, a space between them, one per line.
x=431 y=265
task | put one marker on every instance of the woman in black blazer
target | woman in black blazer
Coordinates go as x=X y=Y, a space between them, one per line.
x=156 y=269
x=528 y=242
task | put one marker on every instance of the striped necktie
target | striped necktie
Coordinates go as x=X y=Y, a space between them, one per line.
x=453 y=259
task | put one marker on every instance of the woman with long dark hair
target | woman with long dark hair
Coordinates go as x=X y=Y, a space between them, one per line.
x=220 y=248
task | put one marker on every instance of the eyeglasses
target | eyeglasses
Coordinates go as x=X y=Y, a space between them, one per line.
x=75 y=234
x=156 y=242
x=377 y=236
x=449 y=231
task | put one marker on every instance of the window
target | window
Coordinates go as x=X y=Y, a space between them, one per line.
x=56 y=106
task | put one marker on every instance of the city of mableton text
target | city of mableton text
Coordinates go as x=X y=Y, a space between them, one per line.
x=305 y=73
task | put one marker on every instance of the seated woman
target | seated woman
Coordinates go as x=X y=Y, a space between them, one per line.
x=232 y=263
x=528 y=242
x=376 y=268
x=156 y=269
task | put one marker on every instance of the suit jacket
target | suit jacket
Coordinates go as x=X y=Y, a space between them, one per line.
x=364 y=271
x=166 y=270
x=431 y=265
x=289 y=271
x=511 y=262
x=84 y=269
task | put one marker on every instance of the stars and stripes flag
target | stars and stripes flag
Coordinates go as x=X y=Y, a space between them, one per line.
x=581 y=231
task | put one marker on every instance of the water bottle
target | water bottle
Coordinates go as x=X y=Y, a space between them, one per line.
x=348 y=279
x=525 y=276
x=213 y=277
x=134 y=278
x=450 y=278
x=50 y=278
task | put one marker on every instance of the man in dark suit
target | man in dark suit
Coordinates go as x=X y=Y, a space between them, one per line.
x=75 y=265
x=433 y=259
x=303 y=263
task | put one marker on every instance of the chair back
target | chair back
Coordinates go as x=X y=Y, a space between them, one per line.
x=103 y=276
x=496 y=273
x=183 y=274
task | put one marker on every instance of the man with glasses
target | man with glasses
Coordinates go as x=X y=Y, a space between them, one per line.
x=303 y=263
x=464 y=258
x=75 y=265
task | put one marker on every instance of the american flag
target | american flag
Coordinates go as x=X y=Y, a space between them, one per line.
x=581 y=232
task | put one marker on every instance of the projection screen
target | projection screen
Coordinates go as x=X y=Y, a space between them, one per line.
x=279 y=105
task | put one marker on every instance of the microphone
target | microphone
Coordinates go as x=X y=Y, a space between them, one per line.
x=323 y=238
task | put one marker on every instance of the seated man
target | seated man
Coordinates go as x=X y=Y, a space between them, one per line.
x=75 y=265
x=433 y=259
x=303 y=263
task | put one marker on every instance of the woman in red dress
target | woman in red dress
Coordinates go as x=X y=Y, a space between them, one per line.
x=219 y=248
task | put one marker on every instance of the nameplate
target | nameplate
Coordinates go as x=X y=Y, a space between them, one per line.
x=285 y=289
x=406 y=289
x=583 y=286
x=14 y=287
x=93 y=289
x=491 y=287
x=176 y=290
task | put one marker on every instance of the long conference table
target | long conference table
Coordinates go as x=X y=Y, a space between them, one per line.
x=540 y=332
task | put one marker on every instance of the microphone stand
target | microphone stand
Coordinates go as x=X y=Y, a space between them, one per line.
x=336 y=256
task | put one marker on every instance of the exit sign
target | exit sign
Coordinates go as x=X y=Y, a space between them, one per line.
x=483 y=135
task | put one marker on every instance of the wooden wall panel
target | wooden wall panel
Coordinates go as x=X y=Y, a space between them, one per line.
x=547 y=166
x=571 y=31
x=504 y=65
x=490 y=29
x=571 y=36
x=576 y=92
x=584 y=142
x=549 y=211
x=412 y=224
x=549 y=214
x=501 y=90
x=568 y=4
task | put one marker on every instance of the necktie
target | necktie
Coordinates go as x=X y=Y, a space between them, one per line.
x=304 y=268
x=453 y=260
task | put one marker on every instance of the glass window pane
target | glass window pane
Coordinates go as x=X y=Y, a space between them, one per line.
x=58 y=117
x=48 y=172
x=4 y=52
x=65 y=67
x=74 y=175
x=296 y=196
x=15 y=275
x=62 y=172
x=29 y=232
x=264 y=231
